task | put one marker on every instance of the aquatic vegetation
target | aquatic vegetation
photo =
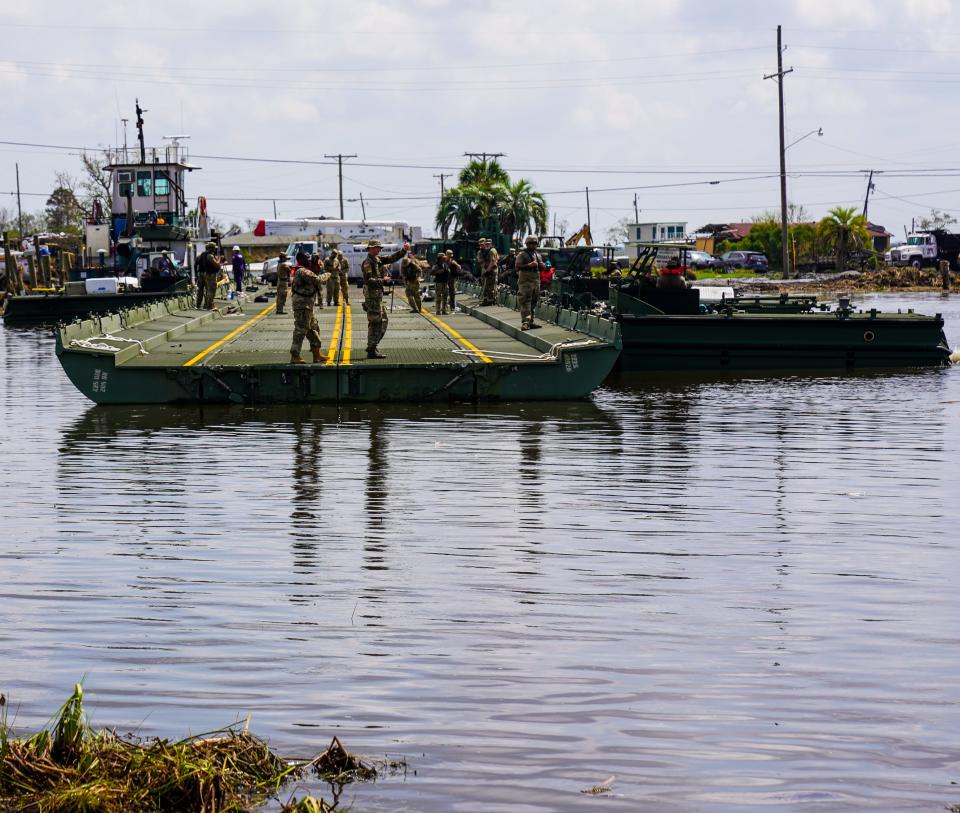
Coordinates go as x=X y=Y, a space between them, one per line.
x=69 y=768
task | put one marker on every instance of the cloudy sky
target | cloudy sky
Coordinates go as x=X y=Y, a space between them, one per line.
x=662 y=99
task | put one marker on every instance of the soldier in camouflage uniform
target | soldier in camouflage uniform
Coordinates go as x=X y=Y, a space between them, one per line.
x=306 y=287
x=489 y=267
x=441 y=275
x=529 y=265
x=316 y=266
x=283 y=279
x=373 y=281
x=208 y=272
x=331 y=284
x=455 y=271
x=410 y=268
x=337 y=266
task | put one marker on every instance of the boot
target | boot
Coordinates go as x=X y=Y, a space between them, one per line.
x=318 y=357
x=375 y=354
x=295 y=358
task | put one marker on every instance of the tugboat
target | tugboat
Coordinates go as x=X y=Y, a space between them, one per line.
x=672 y=330
x=144 y=254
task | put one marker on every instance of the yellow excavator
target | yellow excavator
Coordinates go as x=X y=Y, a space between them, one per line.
x=582 y=234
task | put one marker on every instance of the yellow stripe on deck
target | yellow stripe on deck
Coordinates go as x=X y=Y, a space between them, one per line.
x=335 y=337
x=347 y=338
x=449 y=330
x=230 y=335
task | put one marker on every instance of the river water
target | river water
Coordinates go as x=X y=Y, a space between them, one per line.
x=728 y=594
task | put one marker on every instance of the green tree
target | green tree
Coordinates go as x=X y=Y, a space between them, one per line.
x=523 y=210
x=64 y=210
x=484 y=192
x=843 y=231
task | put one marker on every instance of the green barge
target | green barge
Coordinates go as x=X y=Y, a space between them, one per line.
x=658 y=337
x=169 y=352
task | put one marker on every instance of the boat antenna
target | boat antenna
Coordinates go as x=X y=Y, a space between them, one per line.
x=143 y=151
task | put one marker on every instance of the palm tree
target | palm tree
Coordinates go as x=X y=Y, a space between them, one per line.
x=483 y=173
x=466 y=205
x=485 y=193
x=843 y=231
x=522 y=208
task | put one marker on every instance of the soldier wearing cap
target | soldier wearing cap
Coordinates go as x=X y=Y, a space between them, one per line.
x=488 y=263
x=373 y=282
x=306 y=288
x=208 y=271
x=529 y=265
x=336 y=266
x=315 y=264
x=441 y=275
x=283 y=280
x=455 y=272
x=410 y=268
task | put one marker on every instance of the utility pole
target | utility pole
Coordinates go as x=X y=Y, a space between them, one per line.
x=588 y=210
x=636 y=211
x=441 y=176
x=866 y=199
x=484 y=155
x=779 y=75
x=19 y=210
x=340 y=156
x=362 y=208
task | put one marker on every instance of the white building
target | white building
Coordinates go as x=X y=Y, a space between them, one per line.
x=669 y=231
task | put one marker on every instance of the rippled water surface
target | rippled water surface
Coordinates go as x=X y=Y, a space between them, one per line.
x=728 y=594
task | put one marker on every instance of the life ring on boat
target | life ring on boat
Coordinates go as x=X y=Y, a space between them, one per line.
x=869 y=335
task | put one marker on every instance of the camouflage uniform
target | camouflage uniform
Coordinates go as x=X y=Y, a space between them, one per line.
x=332 y=283
x=455 y=269
x=316 y=266
x=528 y=284
x=338 y=267
x=410 y=269
x=377 y=319
x=207 y=281
x=283 y=279
x=305 y=288
x=490 y=261
x=441 y=276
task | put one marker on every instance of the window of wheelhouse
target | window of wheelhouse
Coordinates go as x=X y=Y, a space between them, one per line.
x=144 y=183
x=161 y=184
x=125 y=182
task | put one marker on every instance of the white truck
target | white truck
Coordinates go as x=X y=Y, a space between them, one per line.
x=926 y=248
x=354 y=252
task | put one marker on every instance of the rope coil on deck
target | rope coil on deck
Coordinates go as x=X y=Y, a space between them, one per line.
x=550 y=355
x=96 y=344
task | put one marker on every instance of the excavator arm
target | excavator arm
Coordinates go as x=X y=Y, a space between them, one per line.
x=583 y=233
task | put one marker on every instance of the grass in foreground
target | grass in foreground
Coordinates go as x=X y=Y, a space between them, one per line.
x=70 y=768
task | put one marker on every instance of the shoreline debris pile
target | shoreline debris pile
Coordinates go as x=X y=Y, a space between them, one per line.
x=68 y=767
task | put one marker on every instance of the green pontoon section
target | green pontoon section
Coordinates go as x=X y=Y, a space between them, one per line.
x=171 y=353
x=54 y=307
x=776 y=340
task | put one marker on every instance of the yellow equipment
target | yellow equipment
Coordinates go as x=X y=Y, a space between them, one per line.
x=584 y=233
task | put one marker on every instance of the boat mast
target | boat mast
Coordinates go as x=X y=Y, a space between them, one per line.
x=143 y=150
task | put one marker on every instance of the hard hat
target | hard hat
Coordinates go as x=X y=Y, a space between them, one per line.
x=236 y=248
